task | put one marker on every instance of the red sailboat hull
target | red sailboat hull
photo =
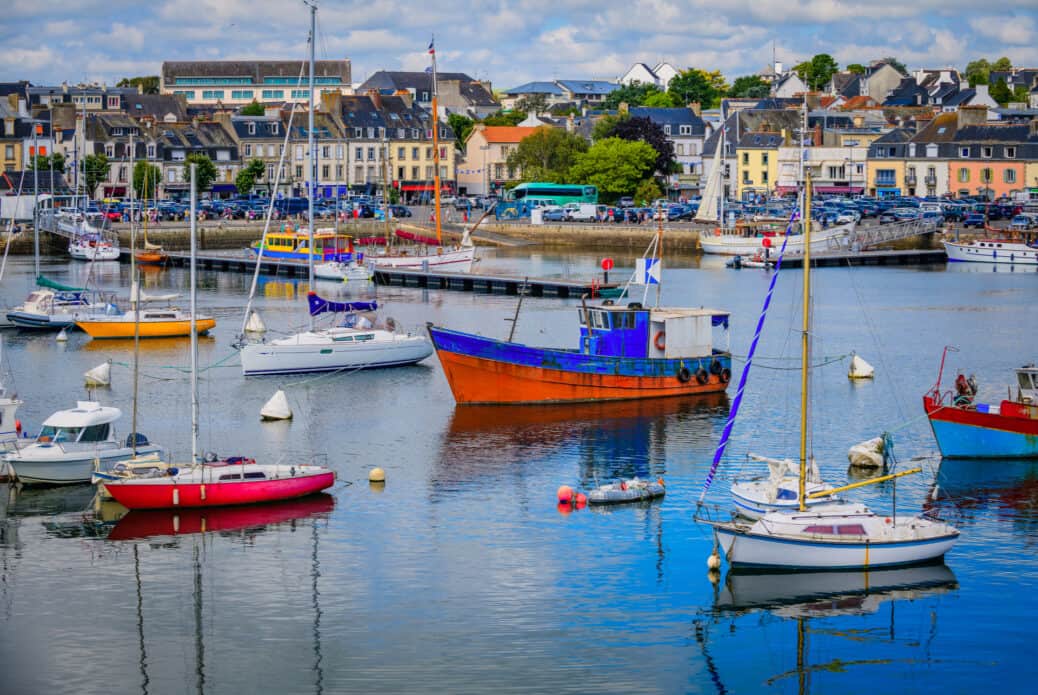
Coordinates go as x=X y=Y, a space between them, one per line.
x=169 y=494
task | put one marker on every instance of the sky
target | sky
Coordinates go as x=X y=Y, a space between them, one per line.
x=508 y=42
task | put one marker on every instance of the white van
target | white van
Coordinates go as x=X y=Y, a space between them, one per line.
x=581 y=212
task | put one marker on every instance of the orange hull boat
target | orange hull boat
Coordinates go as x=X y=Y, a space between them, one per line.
x=151 y=257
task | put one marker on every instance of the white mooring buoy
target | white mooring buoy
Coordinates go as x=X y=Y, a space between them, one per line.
x=101 y=375
x=277 y=407
x=62 y=336
x=255 y=323
x=860 y=369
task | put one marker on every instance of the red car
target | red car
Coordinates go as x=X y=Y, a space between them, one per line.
x=113 y=216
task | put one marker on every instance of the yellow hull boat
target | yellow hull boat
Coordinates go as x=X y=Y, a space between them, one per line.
x=150 y=326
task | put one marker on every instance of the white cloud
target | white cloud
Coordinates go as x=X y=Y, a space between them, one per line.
x=1006 y=29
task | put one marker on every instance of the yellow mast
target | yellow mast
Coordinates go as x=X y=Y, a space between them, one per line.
x=805 y=214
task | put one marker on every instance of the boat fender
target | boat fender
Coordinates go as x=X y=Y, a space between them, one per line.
x=684 y=375
x=701 y=376
x=18 y=426
x=634 y=305
x=292 y=471
x=717 y=231
x=715 y=368
x=726 y=375
x=623 y=485
x=660 y=341
x=660 y=481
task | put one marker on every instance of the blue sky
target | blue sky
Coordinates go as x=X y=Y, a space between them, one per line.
x=508 y=42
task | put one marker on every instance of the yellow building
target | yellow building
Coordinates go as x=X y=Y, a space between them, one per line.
x=1031 y=180
x=885 y=168
x=756 y=158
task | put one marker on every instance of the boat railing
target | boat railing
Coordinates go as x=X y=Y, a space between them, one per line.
x=290 y=459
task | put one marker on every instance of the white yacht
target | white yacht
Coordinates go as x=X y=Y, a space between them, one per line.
x=57 y=308
x=69 y=444
x=1007 y=251
x=94 y=247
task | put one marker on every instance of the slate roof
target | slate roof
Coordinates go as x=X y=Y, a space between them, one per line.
x=994 y=133
x=14 y=88
x=671 y=116
x=844 y=80
x=779 y=103
x=908 y=93
x=767 y=140
x=962 y=97
x=588 y=86
x=262 y=130
x=417 y=81
x=156 y=105
x=13 y=181
x=536 y=88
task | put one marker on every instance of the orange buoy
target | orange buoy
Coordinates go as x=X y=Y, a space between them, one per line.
x=581 y=500
x=564 y=494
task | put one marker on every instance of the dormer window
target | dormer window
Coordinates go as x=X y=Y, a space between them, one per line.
x=273 y=128
x=251 y=128
x=987 y=151
x=1010 y=153
x=666 y=129
x=964 y=152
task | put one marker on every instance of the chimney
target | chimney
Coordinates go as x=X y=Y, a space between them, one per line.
x=696 y=107
x=982 y=92
x=817 y=139
x=376 y=98
x=971 y=115
x=920 y=123
x=331 y=102
x=786 y=141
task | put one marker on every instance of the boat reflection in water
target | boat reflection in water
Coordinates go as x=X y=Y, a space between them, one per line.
x=139 y=524
x=1006 y=487
x=615 y=438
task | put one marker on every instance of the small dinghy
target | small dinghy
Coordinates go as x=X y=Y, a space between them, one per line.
x=633 y=490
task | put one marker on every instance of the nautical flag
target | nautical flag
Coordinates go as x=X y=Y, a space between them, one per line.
x=648 y=271
x=432 y=49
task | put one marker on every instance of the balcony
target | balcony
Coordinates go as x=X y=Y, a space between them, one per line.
x=931 y=180
x=910 y=179
x=688 y=179
x=886 y=182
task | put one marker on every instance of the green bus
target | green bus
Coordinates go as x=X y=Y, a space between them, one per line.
x=558 y=193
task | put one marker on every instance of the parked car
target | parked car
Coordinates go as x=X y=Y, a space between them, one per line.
x=580 y=212
x=1024 y=221
x=399 y=211
x=973 y=219
x=626 y=202
x=553 y=213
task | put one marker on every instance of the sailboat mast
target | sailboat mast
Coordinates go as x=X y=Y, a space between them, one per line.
x=135 y=287
x=313 y=164
x=659 y=252
x=385 y=185
x=805 y=344
x=724 y=166
x=436 y=140
x=194 y=331
x=36 y=188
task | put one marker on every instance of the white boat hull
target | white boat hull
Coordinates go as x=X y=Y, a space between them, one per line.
x=65 y=467
x=285 y=357
x=992 y=251
x=736 y=245
x=335 y=270
x=85 y=252
x=456 y=261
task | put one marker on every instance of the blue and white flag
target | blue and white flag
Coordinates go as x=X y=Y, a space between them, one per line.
x=648 y=271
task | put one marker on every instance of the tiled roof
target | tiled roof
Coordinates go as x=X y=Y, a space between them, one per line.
x=507 y=134
x=941 y=129
x=859 y=102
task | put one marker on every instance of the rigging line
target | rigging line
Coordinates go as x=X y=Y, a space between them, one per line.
x=726 y=434
x=827 y=361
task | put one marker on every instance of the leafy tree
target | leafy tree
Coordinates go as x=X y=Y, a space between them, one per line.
x=253 y=109
x=604 y=126
x=248 y=175
x=547 y=154
x=1000 y=92
x=146 y=178
x=1021 y=93
x=817 y=72
x=856 y=68
x=148 y=84
x=633 y=94
x=513 y=117
x=205 y=174
x=646 y=131
x=46 y=161
x=694 y=84
x=896 y=64
x=658 y=99
x=1003 y=64
x=978 y=71
x=646 y=192
x=95 y=170
x=615 y=166
x=534 y=103
x=749 y=86
x=462 y=126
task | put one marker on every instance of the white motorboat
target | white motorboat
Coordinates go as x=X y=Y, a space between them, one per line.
x=717 y=242
x=57 y=308
x=779 y=489
x=454 y=259
x=342 y=271
x=70 y=442
x=355 y=344
x=1007 y=251
x=94 y=247
x=632 y=490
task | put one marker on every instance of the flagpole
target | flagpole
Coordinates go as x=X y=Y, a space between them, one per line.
x=436 y=140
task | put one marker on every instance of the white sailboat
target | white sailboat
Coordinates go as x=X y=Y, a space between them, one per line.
x=356 y=343
x=834 y=535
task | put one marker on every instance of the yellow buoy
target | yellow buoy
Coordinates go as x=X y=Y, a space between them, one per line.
x=377 y=475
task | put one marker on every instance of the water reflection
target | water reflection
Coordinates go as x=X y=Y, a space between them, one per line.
x=1005 y=489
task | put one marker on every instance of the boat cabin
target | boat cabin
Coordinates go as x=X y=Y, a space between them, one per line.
x=1027 y=384
x=88 y=422
x=637 y=332
x=328 y=246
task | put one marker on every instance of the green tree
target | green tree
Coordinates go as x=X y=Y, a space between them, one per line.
x=978 y=71
x=547 y=155
x=95 y=170
x=697 y=85
x=749 y=86
x=605 y=125
x=646 y=192
x=534 y=103
x=253 y=109
x=1000 y=92
x=205 y=174
x=896 y=64
x=644 y=130
x=1003 y=64
x=817 y=72
x=462 y=126
x=248 y=175
x=633 y=94
x=45 y=162
x=146 y=178
x=658 y=99
x=615 y=166
x=1021 y=93
x=149 y=84
x=856 y=68
x=512 y=118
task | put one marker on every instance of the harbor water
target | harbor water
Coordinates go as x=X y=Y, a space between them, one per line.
x=460 y=574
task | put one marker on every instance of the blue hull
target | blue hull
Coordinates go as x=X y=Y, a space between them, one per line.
x=958 y=440
x=293 y=256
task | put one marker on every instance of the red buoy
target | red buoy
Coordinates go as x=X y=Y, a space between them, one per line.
x=565 y=494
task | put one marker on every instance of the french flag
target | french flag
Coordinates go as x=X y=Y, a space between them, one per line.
x=432 y=48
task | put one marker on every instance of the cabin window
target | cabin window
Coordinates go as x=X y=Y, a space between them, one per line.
x=95 y=433
x=231 y=476
x=365 y=336
x=819 y=529
x=344 y=339
x=784 y=494
x=599 y=319
x=1023 y=377
x=255 y=475
x=60 y=434
x=851 y=530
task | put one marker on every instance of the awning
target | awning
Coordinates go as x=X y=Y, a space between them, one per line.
x=224 y=188
x=839 y=189
x=785 y=190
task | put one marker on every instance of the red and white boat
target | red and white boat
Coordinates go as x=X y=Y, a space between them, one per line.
x=232 y=481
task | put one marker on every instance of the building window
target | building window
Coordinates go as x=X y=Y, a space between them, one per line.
x=326 y=151
x=985 y=175
x=269 y=94
x=666 y=129
x=371 y=173
x=338 y=172
x=110 y=151
x=151 y=151
x=931 y=150
x=299 y=153
x=358 y=174
x=425 y=96
x=685 y=130
x=416 y=172
x=964 y=152
x=1009 y=175
x=1010 y=153
x=964 y=175
x=273 y=128
x=986 y=151
x=113 y=102
x=414 y=153
x=886 y=177
x=326 y=172
x=241 y=94
x=270 y=150
x=371 y=154
x=401 y=153
x=400 y=173
x=212 y=94
x=247 y=149
x=764 y=177
x=764 y=158
x=359 y=154
x=223 y=155
x=186 y=93
x=177 y=155
x=171 y=176
x=251 y=127
x=122 y=174
x=745 y=157
x=679 y=149
x=270 y=173
x=338 y=151
x=299 y=172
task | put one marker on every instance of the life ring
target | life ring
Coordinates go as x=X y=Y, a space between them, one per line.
x=44 y=438
x=726 y=375
x=701 y=376
x=717 y=231
x=660 y=341
x=18 y=426
x=684 y=375
x=715 y=367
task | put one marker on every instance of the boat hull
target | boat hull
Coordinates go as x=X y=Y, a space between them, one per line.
x=148 y=329
x=745 y=549
x=1009 y=253
x=26 y=319
x=459 y=261
x=482 y=370
x=261 y=359
x=735 y=245
x=169 y=494
x=151 y=257
x=967 y=433
x=73 y=468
